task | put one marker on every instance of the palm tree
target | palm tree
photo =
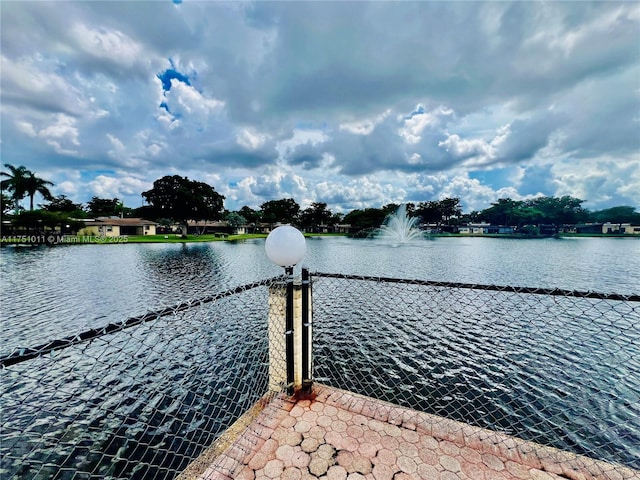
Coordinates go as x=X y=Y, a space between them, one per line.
x=16 y=183
x=35 y=184
x=22 y=182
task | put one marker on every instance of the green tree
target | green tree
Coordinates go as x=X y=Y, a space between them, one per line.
x=450 y=207
x=429 y=211
x=558 y=211
x=182 y=199
x=620 y=214
x=285 y=210
x=35 y=185
x=7 y=203
x=235 y=220
x=15 y=183
x=41 y=220
x=103 y=207
x=250 y=214
x=61 y=204
x=439 y=211
x=502 y=212
x=364 y=220
x=314 y=216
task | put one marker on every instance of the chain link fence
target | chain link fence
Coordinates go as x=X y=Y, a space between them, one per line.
x=555 y=367
x=139 y=399
x=151 y=396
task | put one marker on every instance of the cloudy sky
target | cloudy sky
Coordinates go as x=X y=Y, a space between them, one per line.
x=354 y=104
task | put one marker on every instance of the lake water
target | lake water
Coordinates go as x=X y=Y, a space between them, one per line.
x=49 y=293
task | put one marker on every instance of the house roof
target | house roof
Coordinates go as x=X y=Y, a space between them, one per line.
x=123 y=222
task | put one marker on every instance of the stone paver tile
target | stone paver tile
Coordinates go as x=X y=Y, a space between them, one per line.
x=336 y=472
x=345 y=415
x=292 y=438
x=273 y=469
x=284 y=453
x=402 y=476
x=449 y=476
x=427 y=471
x=333 y=438
x=493 y=462
x=362 y=464
x=385 y=457
x=316 y=432
x=300 y=459
x=518 y=471
x=409 y=450
x=310 y=444
x=259 y=460
x=302 y=426
x=291 y=473
x=473 y=470
x=288 y=422
x=297 y=411
x=347 y=443
x=245 y=474
x=270 y=446
x=392 y=430
x=407 y=464
x=324 y=420
x=310 y=416
x=410 y=436
x=389 y=442
x=450 y=463
x=318 y=466
x=383 y=472
x=368 y=449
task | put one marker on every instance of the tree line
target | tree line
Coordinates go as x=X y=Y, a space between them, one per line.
x=175 y=200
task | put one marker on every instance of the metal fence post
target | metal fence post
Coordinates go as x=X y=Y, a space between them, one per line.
x=306 y=332
x=289 y=332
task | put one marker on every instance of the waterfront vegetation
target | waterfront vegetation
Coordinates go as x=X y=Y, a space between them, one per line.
x=175 y=202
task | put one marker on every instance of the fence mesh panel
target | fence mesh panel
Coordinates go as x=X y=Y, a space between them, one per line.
x=557 y=368
x=144 y=398
x=141 y=399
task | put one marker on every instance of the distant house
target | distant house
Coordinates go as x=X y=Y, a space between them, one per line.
x=201 y=227
x=608 y=227
x=115 y=227
x=483 y=228
x=621 y=228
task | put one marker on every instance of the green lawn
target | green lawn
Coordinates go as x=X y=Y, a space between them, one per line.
x=173 y=238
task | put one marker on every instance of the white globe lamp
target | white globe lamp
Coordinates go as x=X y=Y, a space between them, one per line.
x=285 y=246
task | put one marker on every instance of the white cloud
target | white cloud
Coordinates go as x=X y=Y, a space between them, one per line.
x=415 y=125
x=109 y=44
x=599 y=180
x=365 y=126
x=105 y=186
x=185 y=100
x=249 y=138
x=530 y=97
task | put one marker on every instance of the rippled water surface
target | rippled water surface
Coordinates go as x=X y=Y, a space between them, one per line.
x=49 y=293
x=52 y=292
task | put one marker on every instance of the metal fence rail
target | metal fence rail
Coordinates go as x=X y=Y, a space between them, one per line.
x=139 y=399
x=560 y=368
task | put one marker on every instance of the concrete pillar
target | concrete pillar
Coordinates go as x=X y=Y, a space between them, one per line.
x=277 y=337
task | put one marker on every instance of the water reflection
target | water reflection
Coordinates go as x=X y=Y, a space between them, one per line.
x=185 y=271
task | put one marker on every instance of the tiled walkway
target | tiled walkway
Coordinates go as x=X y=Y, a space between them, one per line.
x=334 y=434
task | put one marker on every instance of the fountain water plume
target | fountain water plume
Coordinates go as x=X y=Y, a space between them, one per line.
x=400 y=228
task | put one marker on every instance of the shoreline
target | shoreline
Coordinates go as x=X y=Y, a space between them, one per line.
x=51 y=240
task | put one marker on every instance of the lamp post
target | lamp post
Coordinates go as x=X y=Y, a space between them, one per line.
x=285 y=246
